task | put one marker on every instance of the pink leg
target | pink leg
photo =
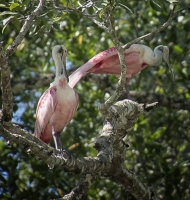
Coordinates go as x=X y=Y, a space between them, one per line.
x=127 y=91
x=127 y=88
x=57 y=140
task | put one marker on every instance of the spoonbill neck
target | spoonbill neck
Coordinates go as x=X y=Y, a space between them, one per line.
x=60 y=66
x=158 y=56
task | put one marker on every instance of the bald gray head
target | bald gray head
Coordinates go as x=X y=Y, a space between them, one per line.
x=59 y=54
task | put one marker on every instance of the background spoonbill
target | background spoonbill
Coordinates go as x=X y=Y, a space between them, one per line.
x=137 y=57
x=58 y=103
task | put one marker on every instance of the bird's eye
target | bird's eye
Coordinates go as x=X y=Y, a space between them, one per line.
x=161 y=48
x=61 y=50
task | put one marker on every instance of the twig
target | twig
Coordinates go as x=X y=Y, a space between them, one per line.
x=84 y=13
x=163 y=100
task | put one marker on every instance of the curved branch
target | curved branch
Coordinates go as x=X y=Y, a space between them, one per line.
x=122 y=80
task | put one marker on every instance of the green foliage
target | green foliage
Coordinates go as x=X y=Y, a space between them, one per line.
x=159 y=142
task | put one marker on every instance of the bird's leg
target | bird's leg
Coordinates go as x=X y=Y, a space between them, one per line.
x=127 y=91
x=57 y=140
x=127 y=88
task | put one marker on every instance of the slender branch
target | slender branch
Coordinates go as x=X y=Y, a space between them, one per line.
x=122 y=79
x=26 y=26
x=84 y=12
x=163 y=100
x=80 y=191
x=101 y=25
x=7 y=97
x=132 y=184
x=68 y=9
x=161 y=28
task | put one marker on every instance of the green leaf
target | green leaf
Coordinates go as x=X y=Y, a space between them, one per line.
x=13 y=5
x=8 y=13
x=6 y=21
x=101 y=13
x=16 y=23
x=26 y=2
x=172 y=1
x=2 y=5
x=126 y=7
x=56 y=26
x=178 y=49
x=155 y=5
x=56 y=19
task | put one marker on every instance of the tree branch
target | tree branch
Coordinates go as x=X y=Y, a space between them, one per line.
x=7 y=97
x=109 y=19
x=120 y=118
x=164 y=101
x=80 y=191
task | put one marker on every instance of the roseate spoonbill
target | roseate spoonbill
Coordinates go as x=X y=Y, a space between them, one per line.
x=58 y=103
x=137 y=57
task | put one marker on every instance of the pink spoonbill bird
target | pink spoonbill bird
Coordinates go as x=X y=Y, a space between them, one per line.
x=58 y=103
x=137 y=58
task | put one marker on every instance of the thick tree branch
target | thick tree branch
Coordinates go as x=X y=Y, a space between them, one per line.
x=26 y=26
x=120 y=118
x=7 y=97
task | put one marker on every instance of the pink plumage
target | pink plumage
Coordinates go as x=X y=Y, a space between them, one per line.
x=57 y=105
x=107 y=62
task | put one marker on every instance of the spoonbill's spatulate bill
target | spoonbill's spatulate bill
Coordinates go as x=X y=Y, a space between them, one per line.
x=137 y=57
x=58 y=103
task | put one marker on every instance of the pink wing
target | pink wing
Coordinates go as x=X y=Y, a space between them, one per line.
x=75 y=77
x=45 y=108
x=107 y=62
